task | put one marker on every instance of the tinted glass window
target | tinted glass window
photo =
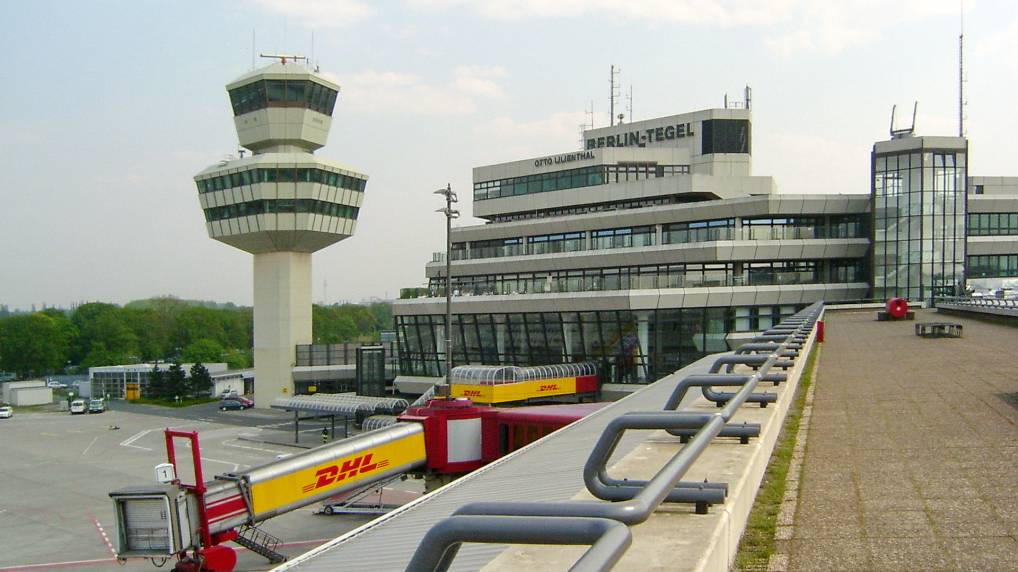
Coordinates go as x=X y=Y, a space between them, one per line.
x=725 y=136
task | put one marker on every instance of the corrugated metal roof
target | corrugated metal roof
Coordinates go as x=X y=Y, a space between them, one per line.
x=548 y=470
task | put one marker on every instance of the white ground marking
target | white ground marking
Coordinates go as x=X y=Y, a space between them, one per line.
x=106 y=539
x=94 y=439
x=227 y=443
x=235 y=466
x=130 y=440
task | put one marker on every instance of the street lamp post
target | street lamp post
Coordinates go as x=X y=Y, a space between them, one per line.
x=450 y=213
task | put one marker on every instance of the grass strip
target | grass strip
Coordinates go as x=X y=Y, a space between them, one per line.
x=757 y=542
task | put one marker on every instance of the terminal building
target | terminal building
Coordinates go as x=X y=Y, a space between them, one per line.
x=655 y=245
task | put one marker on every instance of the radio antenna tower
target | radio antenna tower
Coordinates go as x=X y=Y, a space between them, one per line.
x=961 y=73
x=616 y=92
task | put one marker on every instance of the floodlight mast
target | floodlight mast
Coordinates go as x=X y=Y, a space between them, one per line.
x=450 y=213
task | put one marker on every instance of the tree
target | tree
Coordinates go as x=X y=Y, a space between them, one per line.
x=176 y=381
x=103 y=325
x=157 y=383
x=201 y=381
x=31 y=344
x=203 y=351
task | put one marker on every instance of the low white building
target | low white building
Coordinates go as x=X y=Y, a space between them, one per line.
x=25 y=393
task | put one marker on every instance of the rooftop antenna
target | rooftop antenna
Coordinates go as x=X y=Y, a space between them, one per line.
x=615 y=93
x=283 y=57
x=907 y=131
x=749 y=97
x=312 y=60
x=253 y=52
x=590 y=113
x=961 y=72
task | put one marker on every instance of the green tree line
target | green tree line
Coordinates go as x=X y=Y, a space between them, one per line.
x=165 y=329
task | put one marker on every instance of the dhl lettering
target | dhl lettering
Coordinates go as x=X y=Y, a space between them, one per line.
x=348 y=469
x=549 y=387
x=472 y=392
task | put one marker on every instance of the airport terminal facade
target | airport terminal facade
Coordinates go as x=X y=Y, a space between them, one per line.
x=655 y=245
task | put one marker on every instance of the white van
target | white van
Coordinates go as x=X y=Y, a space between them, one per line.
x=79 y=406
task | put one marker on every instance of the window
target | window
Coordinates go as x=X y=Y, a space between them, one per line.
x=281 y=175
x=622 y=237
x=572 y=179
x=283 y=93
x=551 y=243
x=270 y=206
x=698 y=231
x=725 y=136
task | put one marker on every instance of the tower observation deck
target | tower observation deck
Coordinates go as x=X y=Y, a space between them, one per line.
x=281 y=203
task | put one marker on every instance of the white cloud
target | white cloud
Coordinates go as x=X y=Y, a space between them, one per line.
x=319 y=13
x=394 y=92
x=831 y=27
x=716 y=12
x=790 y=27
x=550 y=134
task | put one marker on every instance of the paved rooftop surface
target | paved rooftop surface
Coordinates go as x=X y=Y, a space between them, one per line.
x=912 y=457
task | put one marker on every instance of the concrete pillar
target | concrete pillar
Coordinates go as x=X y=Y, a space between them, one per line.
x=282 y=319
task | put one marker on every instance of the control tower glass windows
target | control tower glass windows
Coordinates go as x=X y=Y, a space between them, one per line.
x=281 y=175
x=283 y=93
x=271 y=206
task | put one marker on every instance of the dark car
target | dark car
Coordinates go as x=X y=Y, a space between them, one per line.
x=235 y=403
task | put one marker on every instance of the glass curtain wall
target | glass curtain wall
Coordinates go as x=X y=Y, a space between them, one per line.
x=631 y=347
x=919 y=204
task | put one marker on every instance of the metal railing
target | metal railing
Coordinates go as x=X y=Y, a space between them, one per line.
x=997 y=306
x=631 y=501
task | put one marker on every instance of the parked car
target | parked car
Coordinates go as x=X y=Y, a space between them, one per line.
x=78 y=406
x=96 y=406
x=6 y=412
x=54 y=384
x=235 y=403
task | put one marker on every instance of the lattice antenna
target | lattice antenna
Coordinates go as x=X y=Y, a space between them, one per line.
x=962 y=104
x=616 y=92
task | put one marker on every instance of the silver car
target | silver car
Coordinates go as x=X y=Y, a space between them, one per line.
x=6 y=412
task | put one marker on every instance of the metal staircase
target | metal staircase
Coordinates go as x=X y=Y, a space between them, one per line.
x=260 y=542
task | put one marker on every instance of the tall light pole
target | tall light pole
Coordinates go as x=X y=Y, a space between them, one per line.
x=450 y=213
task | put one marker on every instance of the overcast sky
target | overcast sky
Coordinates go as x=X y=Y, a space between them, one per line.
x=108 y=109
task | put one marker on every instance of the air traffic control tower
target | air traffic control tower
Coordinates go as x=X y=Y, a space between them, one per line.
x=281 y=203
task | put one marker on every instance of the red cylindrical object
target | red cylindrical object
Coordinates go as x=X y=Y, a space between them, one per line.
x=820 y=331
x=219 y=559
x=897 y=308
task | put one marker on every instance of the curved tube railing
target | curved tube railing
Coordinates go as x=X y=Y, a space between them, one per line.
x=633 y=501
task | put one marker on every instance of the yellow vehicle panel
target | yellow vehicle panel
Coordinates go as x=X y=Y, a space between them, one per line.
x=515 y=391
x=337 y=475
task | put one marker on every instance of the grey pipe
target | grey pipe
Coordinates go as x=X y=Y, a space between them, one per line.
x=608 y=539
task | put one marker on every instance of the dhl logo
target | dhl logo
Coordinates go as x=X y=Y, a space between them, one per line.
x=549 y=387
x=349 y=469
x=471 y=392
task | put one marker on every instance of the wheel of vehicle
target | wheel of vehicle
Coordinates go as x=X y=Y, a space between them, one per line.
x=328 y=509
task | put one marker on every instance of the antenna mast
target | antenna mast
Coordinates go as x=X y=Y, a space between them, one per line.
x=615 y=94
x=961 y=73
